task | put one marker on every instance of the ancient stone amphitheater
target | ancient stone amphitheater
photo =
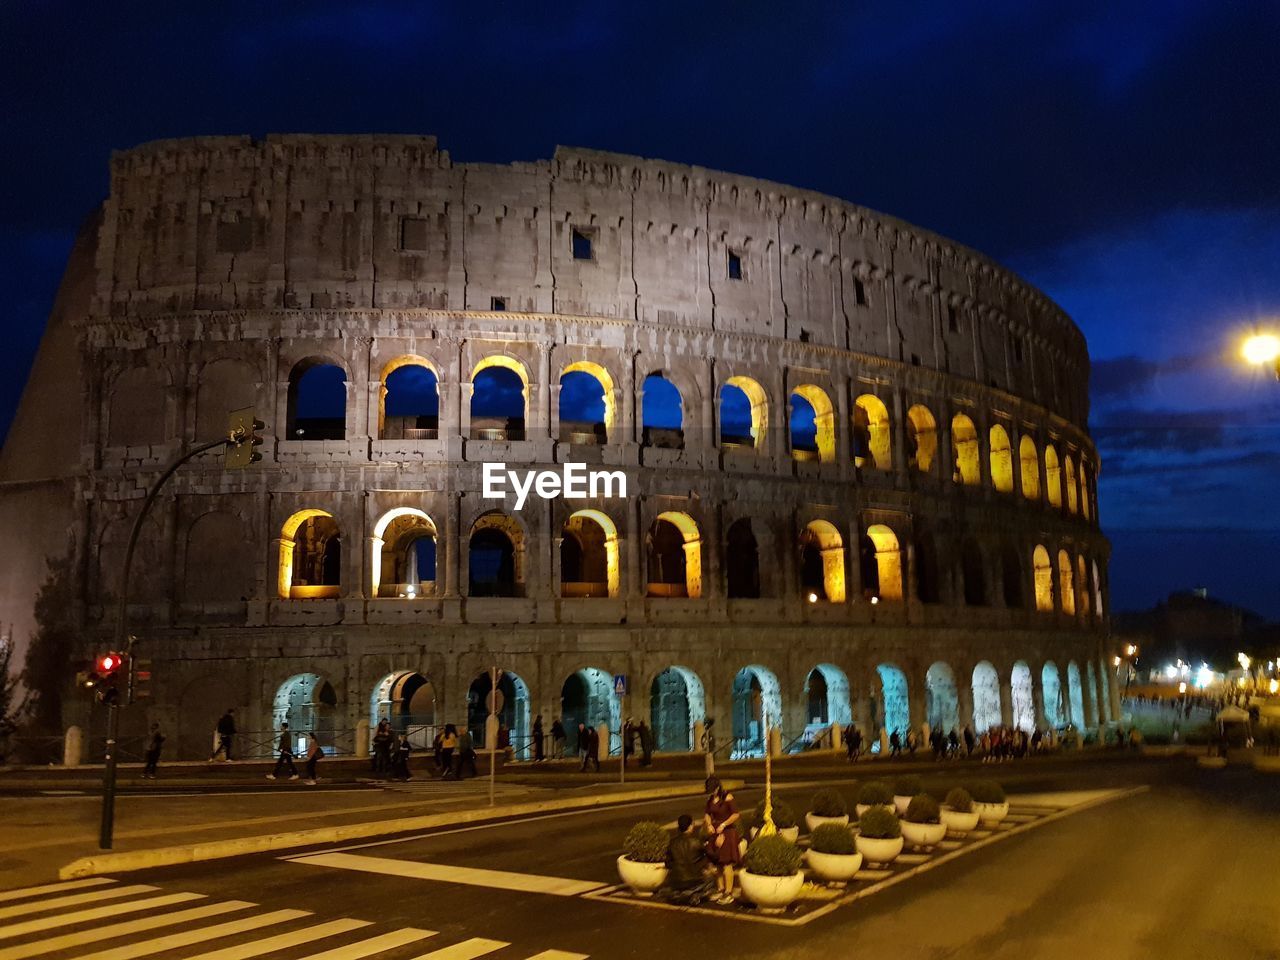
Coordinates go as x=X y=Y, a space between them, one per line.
x=860 y=485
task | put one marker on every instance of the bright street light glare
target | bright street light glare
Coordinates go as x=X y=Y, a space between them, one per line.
x=1261 y=348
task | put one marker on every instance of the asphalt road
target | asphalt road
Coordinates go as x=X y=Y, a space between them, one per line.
x=1184 y=870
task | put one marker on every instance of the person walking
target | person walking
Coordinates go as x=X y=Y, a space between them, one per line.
x=538 y=755
x=314 y=753
x=592 y=756
x=466 y=753
x=383 y=742
x=557 y=738
x=400 y=762
x=284 y=761
x=448 y=745
x=582 y=745
x=226 y=729
x=154 y=745
x=895 y=744
x=720 y=820
x=646 y=744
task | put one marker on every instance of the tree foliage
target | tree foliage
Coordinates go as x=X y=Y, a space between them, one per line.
x=49 y=655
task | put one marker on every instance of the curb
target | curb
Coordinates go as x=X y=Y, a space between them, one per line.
x=243 y=846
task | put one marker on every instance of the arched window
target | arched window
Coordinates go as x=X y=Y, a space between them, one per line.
x=662 y=413
x=812 y=424
x=499 y=397
x=972 y=569
x=410 y=401
x=986 y=697
x=881 y=564
x=589 y=561
x=744 y=413
x=926 y=569
x=1011 y=576
x=317 y=401
x=220 y=560
x=1066 y=587
x=922 y=438
x=871 y=436
x=225 y=385
x=1030 y=460
x=1001 y=460
x=495 y=557
x=310 y=565
x=1082 y=586
x=1084 y=489
x=1069 y=473
x=137 y=412
x=1052 y=476
x=1043 y=570
x=822 y=562
x=586 y=403
x=742 y=561
x=675 y=556
x=403 y=554
x=964 y=447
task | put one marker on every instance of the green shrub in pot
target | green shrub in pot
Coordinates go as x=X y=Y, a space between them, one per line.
x=646 y=842
x=959 y=800
x=879 y=824
x=923 y=809
x=773 y=857
x=875 y=793
x=832 y=838
x=828 y=803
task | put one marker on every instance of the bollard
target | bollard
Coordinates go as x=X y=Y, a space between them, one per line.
x=837 y=736
x=491 y=732
x=72 y=747
x=362 y=739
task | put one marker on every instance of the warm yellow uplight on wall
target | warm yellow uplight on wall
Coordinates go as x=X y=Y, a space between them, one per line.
x=1261 y=348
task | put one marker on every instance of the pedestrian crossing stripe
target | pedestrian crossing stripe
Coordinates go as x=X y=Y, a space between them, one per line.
x=469 y=876
x=282 y=941
x=96 y=913
x=84 y=937
x=147 y=948
x=466 y=950
x=367 y=948
x=72 y=900
x=24 y=892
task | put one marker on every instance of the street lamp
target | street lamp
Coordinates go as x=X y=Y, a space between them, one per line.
x=1260 y=349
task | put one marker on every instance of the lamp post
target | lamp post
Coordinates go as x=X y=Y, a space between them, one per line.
x=1260 y=349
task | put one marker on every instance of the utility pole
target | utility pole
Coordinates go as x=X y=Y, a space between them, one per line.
x=493 y=725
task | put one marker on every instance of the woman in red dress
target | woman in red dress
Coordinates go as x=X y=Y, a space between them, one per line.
x=721 y=823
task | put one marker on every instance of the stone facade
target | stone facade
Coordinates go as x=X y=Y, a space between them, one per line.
x=947 y=515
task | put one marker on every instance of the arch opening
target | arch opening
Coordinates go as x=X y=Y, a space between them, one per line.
x=409 y=406
x=590 y=564
x=826 y=690
x=881 y=564
x=317 y=401
x=1043 y=571
x=586 y=404
x=499 y=399
x=1066 y=588
x=586 y=697
x=1022 y=697
x=1029 y=458
x=742 y=561
x=892 y=713
x=812 y=422
x=676 y=702
x=1052 y=476
x=1055 y=712
x=662 y=413
x=744 y=413
x=403 y=554
x=1001 y=460
x=757 y=696
x=822 y=575
x=495 y=557
x=675 y=556
x=1069 y=476
x=308 y=703
x=871 y=434
x=1076 y=698
x=511 y=707
x=408 y=700
x=964 y=449
x=310 y=564
x=942 y=699
x=922 y=438
x=986 y=697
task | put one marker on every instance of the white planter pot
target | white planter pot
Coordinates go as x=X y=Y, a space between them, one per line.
x=991 y=813
x=771 y=894
x=957 y=823
x=813 y=821
x=901 y=803
x=787 y=833
x=642 y=878
x=834 y=867
x=862 y=808
x=876 y=850
x=922 y=835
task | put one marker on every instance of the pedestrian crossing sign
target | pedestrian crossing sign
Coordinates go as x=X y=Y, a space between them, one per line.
x=619 y=684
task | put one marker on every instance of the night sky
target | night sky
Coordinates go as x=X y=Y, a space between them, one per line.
x=1123 y=157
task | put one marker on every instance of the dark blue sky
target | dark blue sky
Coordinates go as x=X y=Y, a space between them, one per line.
x=1122 y=156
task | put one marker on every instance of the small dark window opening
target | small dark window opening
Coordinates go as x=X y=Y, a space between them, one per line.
x=1017 y=350
x=413 y=233
x=915 y=359
x=735 y=266
x=859 y=292
x=581 y=246
x=804 y=335
x=234 y=236
x=498 y=303
x=953 y=318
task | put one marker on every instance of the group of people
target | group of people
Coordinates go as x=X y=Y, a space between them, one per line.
x=993 y=745
x=700 y=863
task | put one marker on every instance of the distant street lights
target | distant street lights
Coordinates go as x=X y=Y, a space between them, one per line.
x=1262 y=348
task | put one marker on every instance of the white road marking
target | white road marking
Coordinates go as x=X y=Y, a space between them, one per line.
x=559 y=955
x=146 y=948
x=96 y=913
x=72 y=900
x=129 y=927
x=283 y=941
x=20 y=894
x=466 y=950
x=471 y=876
x=366 y=948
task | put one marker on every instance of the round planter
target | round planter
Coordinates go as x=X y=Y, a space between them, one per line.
x=834 y=867
x=642 y=878
x=922 y=836
x=957 y=823
x=862 y=808
x=813 y=821
x=900 y=803
x=991 y=813
x=876 y=850
x=789 y=833
x=771 y=894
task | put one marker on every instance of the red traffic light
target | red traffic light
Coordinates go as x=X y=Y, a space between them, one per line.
x=109 y=663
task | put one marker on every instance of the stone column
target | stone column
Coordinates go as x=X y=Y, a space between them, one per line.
x=843 y=445
x=898 y=433
x=712 y=549
x=452 y=547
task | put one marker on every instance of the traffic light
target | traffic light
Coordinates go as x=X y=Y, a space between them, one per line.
x=243 y=439
x=104 y=677
x=141 y=679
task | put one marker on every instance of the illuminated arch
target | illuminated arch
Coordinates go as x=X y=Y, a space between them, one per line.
x=1055 y=713
x=1001 y=460
x=486 y=537
x=820 y=541
x=824 y=419
x=759 y=402
x=598 y=554
x=985 y=685
x=1052 y=476
x=677 y=701
x=1022 y=697
x=288 y=559
x=504 y=362
x=602 y=377
x=1075 y=695
x=691 y=544
x=1069 y=474
x=1066 y=590
x=400 y=525
x=826 y=689
x=384 y=390
x=964 y=448
x=922 y=438
x=888 y=561
x=1043 y=577
x=508 y=430
x=871 y=428
x=1030 y=460
x=757 y=704
x=942 y=700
